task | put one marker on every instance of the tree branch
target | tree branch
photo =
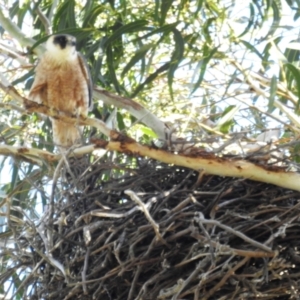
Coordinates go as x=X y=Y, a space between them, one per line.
x=207 y=162
x=16 y=33
x=137 y=110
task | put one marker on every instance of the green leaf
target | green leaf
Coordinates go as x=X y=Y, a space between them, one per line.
x=292 y=56
x=131 y=27
x=120 y=120
x=273 y=89
x=147 y=131
x=150 y=78
x=208 y=53
x=65 y=16
x=139 y=54
x=91 y=15
x=165 y=29
x=252 y=48
x=266 y=52
x=199 y=6
x=251 y=20
x=176 y=58
x=111 y=68
x=206 y=30
x=226 y=121
x=296 y=74
x=275 y=5
x=164 y=8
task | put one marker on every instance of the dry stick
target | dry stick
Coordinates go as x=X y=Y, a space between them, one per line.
x=164 y=293
x=26 y=279
x=227 y=249
x=143 y=290
x=235 y=232
x=83 y=273
x=34 y=156
x=134 y=282
x=198 y=268
x=134 y=197
x=73 y=292
x=224 y=279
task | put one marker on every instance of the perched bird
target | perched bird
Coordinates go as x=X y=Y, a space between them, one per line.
x=62 y=81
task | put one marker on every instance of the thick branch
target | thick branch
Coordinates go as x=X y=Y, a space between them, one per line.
x=32 y=155
x=210 y=163
x=16 y=33
x=137 y=110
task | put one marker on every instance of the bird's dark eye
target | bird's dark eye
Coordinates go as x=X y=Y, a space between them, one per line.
x=73 y=43
x=61 y=40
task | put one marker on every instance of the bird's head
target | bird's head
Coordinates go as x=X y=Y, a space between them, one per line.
x=62 y=47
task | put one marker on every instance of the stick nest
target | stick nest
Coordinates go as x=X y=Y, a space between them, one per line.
x=162 y=232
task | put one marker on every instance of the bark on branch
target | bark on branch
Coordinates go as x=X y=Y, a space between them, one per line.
x=196 y=159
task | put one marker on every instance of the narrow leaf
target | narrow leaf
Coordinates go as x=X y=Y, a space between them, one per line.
x=131 y=27
x=227 y=116
x=139 y=54
x=208 y=54
x=165 y=6
x=111 y=68
x=273 y=90
x=296 y=74
x=165 y=29
x=177 y=56
x=150 y=78
x=251 y=20
x=252 y=48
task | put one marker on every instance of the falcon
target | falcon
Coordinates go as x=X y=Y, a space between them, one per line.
x=62 y=81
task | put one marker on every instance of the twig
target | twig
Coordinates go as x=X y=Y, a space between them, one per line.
x=44 y=20
x=201 y=219
x=26 y=279
x=134 y=197
x=224 y=279
x=225 y=249
x=185 y=283
x=134 y=282
x=83 y=273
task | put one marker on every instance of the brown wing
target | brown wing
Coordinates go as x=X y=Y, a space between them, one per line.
x=87 y=76
x=38 y=91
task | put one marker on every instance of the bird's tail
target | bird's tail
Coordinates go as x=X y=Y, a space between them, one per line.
x=65 y=135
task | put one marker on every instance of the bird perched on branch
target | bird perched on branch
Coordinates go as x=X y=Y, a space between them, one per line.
x=62 y=81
